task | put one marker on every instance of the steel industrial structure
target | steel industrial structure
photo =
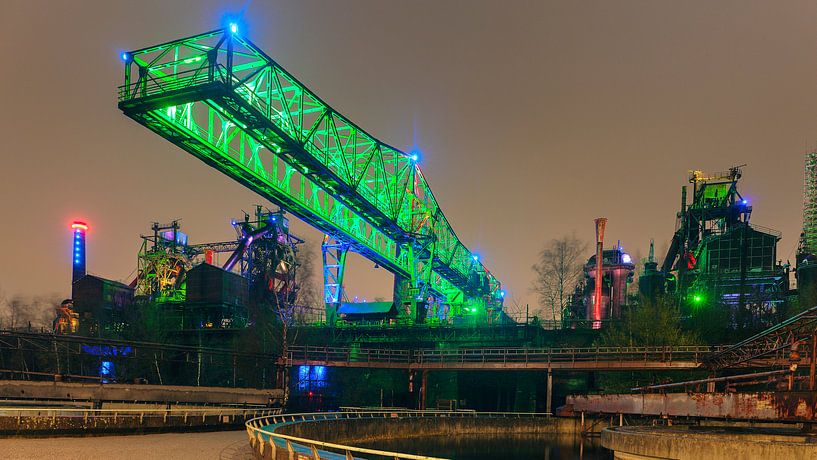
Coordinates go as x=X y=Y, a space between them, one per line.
x=222 y=99
x=39 y=356
x=807 y=251
x=510 y=358
x=717 y=256
x=809 y=238
x=799 y=329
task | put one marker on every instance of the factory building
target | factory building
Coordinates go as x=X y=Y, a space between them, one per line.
x=617 y=275
x=718 y=259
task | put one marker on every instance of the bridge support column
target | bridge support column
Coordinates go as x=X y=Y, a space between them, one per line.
x=411 y=293
x=334 y=265
x=423 y=389
x=550 y=391
x=813 y=362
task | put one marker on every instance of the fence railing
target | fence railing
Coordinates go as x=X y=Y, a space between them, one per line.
x=262 y=435
x=223 y=414
x=420 y=357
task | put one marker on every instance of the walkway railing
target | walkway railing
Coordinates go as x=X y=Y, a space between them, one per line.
x=223 y=414
x=513 y=357
x=262 y=435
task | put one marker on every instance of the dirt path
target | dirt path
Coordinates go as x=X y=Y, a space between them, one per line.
x=223 y=445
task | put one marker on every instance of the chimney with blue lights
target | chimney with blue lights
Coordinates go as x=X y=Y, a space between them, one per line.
x=79 y=230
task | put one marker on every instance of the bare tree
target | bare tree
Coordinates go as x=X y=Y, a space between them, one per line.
x=308 y=302
x=3 y=309
x=23 y=312
x=558 y=271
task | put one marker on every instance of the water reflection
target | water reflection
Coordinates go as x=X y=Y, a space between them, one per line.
x=484 y=447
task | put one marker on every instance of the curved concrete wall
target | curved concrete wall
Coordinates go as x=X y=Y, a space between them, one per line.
x=634 y=443
x=352 y=431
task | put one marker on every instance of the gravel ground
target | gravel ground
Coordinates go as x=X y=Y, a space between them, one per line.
x=223 y=445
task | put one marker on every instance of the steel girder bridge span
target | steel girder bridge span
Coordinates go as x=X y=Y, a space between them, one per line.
x=504 y=359
x=223 y=100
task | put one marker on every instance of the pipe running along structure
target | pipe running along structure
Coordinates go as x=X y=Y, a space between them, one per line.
x=223 y=100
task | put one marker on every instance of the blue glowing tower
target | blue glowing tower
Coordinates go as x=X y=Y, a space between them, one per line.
x=79 y=230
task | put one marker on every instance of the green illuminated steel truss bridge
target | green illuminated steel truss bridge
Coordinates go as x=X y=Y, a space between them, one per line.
x=222 y=99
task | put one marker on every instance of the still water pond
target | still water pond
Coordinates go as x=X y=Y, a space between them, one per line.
x=483 y=447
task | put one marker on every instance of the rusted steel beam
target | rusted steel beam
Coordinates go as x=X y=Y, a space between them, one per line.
x=498 y=366
x=730 y=378
x=786 y=406
x=779 y=337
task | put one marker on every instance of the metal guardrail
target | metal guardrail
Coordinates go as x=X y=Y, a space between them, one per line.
x=262 y=437
x=150 y=86
x=23 y=413
x=421 y=357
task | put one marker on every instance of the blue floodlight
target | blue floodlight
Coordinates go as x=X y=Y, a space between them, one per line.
x=125 y=56
x=233 y=27
x=476 y=257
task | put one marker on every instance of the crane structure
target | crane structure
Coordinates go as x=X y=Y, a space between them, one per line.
x=226 y=102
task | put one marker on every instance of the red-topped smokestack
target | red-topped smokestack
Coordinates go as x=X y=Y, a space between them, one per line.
x=78 y=229
x=595 y=313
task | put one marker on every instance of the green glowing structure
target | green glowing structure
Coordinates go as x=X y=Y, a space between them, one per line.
x=220 y=98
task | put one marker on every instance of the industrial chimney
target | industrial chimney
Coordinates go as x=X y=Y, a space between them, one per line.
x=595 y=315
x=79 y=230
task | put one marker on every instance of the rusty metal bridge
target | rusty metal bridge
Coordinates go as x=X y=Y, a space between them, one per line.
x=789 y=346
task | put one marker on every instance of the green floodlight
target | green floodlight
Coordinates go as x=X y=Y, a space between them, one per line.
x=697 y=299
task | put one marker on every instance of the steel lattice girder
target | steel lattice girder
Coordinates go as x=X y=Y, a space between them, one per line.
x=222 y=99
x=798 y=328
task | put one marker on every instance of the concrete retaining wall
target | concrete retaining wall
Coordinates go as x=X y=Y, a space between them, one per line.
x=352 y=431
x=635 y=443
x=16 y=389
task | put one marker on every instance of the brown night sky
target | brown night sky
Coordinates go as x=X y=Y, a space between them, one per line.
x=533 y=118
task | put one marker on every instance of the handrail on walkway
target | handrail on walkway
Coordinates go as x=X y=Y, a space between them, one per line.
x=262 y=435
x=23 y=415
x=496 y=355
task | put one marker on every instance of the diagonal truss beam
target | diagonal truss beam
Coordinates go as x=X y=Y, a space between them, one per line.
x=219 y=97
x=784 y=335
